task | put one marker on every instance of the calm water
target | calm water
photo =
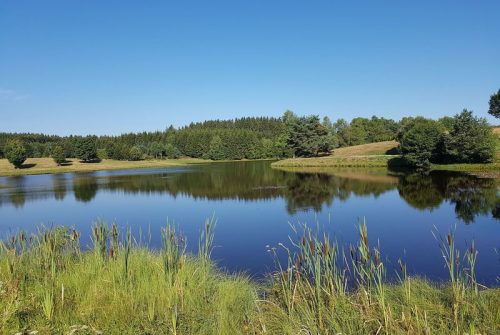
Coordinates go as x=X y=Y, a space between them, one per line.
x=254 y=205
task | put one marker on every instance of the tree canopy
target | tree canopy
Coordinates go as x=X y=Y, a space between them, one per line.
x=306 y=136
x=495 y=105
x=86 y=149
x=15 y=152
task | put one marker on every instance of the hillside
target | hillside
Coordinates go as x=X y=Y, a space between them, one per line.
x=364 y=155
x=378 y=148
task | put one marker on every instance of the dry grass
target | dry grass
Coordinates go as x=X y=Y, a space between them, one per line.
x=365 y=155
x=496 y=130
x=336 y=161
x=379 y=148
x=47 y=165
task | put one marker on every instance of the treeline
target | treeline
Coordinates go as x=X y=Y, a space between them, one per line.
x=462 y=138
x=244 y=138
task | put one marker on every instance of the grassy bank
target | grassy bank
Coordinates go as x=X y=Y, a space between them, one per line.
x=120 y=286
x=47 y=165
x=374 y=155
x=364 y=155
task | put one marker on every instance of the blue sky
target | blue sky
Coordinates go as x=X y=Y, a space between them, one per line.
x=108 y=67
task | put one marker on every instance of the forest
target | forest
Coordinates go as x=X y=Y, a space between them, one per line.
x=462 y=138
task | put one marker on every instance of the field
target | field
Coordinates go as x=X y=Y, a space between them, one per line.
x=379 y=148
x=375 y=155
x=365 y=155
x=120 y=286
x=47 y=165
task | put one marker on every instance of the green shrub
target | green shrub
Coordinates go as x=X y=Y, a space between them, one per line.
x=470 y=140
x=419 y=144
x=171 y=151
x=16 y=153
x=135 y=154
x=102 y=153
x=58 y=154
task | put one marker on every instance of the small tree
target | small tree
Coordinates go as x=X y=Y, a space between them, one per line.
x=156 y=149
x=86 y=149
x=306 y=136
x=216 y=151
x=16 y=153
x=135 y=153
x=420 y=142
x=470 y=140
x=171 y=151
x=58 y=154
x=495 y=105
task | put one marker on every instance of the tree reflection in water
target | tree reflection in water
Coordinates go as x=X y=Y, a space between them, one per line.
x=250 y=181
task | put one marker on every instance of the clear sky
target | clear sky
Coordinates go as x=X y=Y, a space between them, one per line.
x=107 y=67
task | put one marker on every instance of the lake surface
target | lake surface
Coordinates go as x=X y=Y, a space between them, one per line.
x=254 y=205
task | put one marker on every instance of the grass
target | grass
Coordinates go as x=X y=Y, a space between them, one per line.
x=336 y=161
x=47 y=165
x=378 y=148
x=370 y=155
x=374 y=155
x=119 y=286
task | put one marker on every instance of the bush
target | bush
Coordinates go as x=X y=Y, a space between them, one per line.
x=419 y=144
x=135 y=154
x=117 y=151
x=16 y=153
x=470 y=140
x=102 y=154
x=58 y=154
x=172 y=152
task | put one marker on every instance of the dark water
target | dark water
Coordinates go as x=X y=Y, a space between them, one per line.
x=254 y=205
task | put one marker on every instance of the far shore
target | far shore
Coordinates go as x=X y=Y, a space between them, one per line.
x=491 y=170
x=47 y=165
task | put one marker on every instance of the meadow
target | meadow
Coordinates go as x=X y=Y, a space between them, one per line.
x=384 y=154
x=47 y=165
x=48 y=285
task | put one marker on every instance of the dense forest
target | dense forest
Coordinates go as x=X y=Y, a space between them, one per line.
x=462 y=138
x=249 y=138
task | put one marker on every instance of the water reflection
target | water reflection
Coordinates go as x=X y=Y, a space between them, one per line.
x=471 y=196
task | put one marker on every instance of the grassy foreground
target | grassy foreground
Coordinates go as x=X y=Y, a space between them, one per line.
x=119 y=286
x=47 y=165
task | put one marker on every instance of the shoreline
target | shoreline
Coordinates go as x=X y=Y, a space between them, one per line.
x=491 y=170
x=37 y=166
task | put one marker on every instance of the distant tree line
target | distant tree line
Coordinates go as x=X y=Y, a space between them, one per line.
x=462 y=138
x=244 y=138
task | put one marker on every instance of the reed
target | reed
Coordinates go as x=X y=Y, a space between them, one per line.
x=205 y=244
x=49 y=286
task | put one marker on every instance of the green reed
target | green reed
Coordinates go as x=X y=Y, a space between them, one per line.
x=49 y=286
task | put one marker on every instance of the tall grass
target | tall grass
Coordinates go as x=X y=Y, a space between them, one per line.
x=321 y=289
x=117 y=287
x=120 y=286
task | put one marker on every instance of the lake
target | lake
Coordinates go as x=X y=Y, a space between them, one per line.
x=255 y=206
